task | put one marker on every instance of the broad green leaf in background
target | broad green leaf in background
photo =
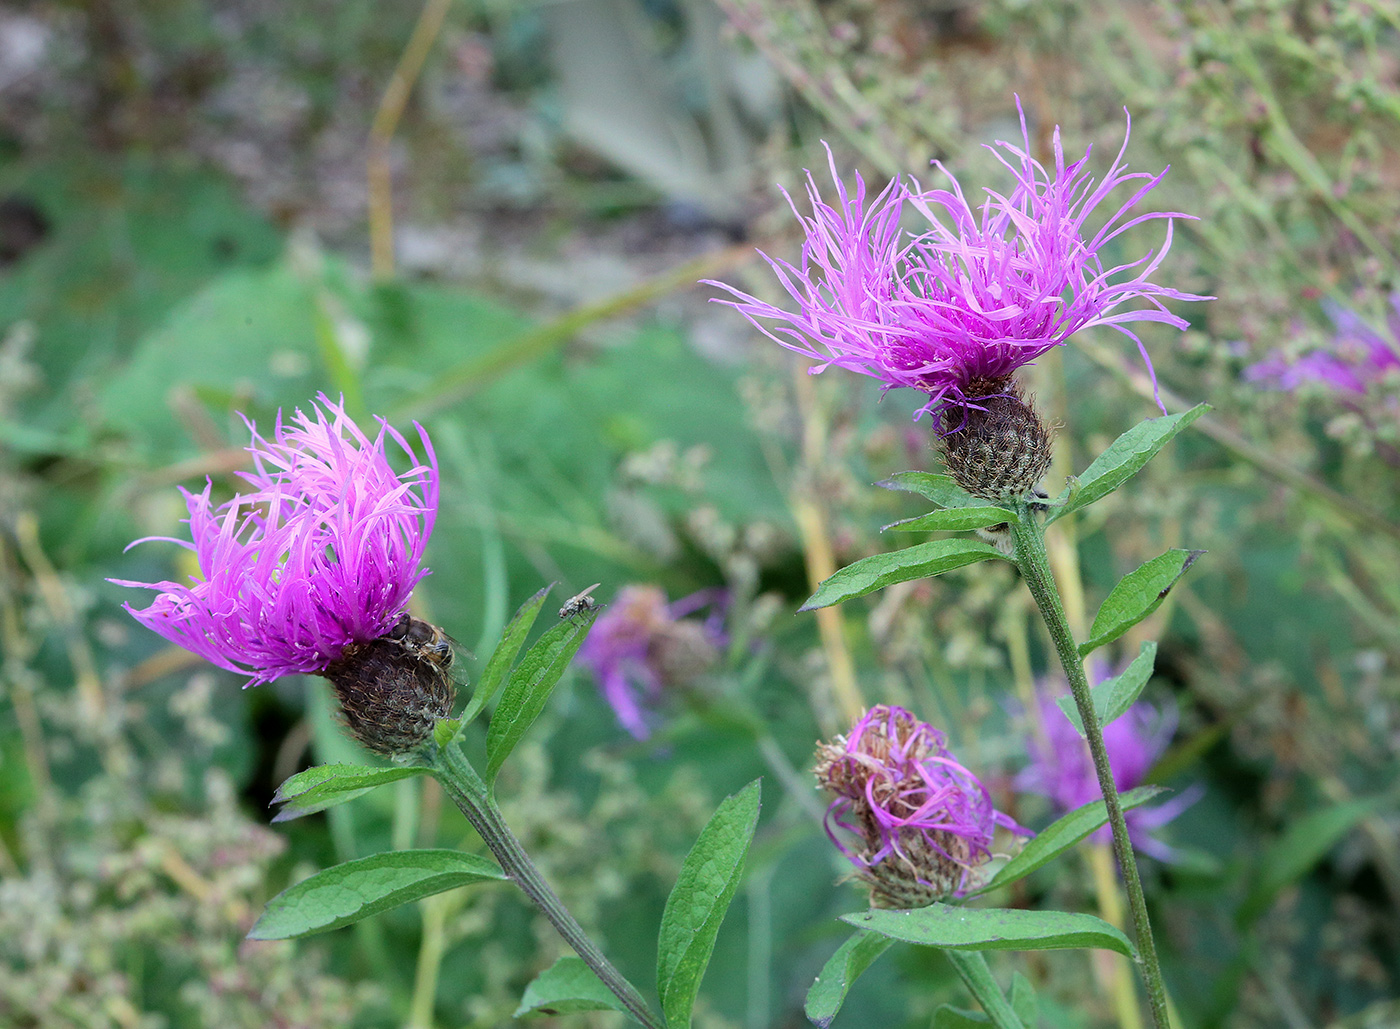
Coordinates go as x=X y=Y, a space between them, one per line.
x=328 y=785
x=1063 y=833
x=1123 y=458
x=565 y=987
x=504 y=655
x=1137 y=595
x=941 y=489
x=880 y=570
x=1303 y=845
x=690 y=922
x=354 y=890
x=946 y=926
x=839 y=974
x=1114 y=696
x=530 y=686
x=1023 y=1000
x=954 y=518
x=948 y=1017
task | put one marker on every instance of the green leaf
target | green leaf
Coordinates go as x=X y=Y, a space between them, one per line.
x=690 y=922
x=942 y=925
x=1114 y=696
x=328 y=785
x=839 y=974
x=1023 y=1000
x=1306 y=842
x=916 y=562
x=565 y=987
x=530 y=686
x=1137 y=595
x=354 y=890
x=941 y=489
x=504 y=655
x=1124 y=456
x=1062 y=834
x=953 y=519
x=948 y=1017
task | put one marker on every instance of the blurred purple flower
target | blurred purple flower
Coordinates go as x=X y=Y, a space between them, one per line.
x=955 y=308
x=643 y=644
x=1062 y=769
x=323 y=552
x=924 y=822
x=1359 y=355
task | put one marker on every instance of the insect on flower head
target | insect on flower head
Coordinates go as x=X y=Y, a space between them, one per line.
x=310 y=571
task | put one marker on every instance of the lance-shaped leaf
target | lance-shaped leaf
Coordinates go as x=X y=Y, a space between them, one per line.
x=1306 y=842
x=354 y=890
x=1023 y=1000
x=1123 y=458
x=954 y=518
x=690 y=922
x=498 y=664
x=949 y=927
x=328 y=785
x=940 y=489
x=565 y=987
x=1113 y=697
x=1061 y=835
x=530 y=686
x=840 y=973
x=916 y=562
x=1137 y=595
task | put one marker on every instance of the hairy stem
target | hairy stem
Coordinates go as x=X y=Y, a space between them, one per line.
x=471 y=795
x=1035 y=569
x=971 y=966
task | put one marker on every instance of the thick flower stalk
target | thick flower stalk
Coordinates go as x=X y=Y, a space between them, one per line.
x=310 y=571
x=642 y=646
x=922 y=823
x=1062 y=769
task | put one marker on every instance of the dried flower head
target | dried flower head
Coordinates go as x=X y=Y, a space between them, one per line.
x=954 y=308
x=642 y=645
x=923 y=823
x=1062 y=769
x=311 y=570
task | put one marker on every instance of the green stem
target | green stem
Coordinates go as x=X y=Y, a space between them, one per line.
x=1035 y=569
x=977 y=977
x=474 y=799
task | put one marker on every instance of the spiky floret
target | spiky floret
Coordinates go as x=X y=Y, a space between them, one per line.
x=975 y=292
x=321 y=553
x=923 y=823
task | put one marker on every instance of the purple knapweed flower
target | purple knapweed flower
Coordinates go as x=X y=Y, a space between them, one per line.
x=321 y=554
x=1359 y=355
x=953 y=308
x=642 y=644
x=1062 y=769
x=923 y=823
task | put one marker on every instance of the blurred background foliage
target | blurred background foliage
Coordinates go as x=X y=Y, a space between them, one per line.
x=184 y=234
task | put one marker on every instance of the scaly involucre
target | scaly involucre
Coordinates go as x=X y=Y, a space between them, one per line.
x=954 y=308
x=924 y=822
x=323 y=552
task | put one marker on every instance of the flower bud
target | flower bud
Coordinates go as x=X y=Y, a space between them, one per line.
x=998 y=450
x=923 y=823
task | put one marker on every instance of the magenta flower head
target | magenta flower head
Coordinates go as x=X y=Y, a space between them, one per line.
x=643 y=645
x=1359 y=356
x=310 y=571
x=1062 y=769
x=923 y=824
x=955 y=306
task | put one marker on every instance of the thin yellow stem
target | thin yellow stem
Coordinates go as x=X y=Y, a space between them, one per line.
x=1112 y=969
x=381 y=134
